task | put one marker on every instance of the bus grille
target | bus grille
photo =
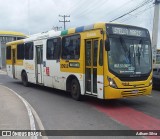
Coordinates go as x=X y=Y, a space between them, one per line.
x=131 y=93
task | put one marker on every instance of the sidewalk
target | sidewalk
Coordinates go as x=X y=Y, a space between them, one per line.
x=13 y=113
x=3 y=71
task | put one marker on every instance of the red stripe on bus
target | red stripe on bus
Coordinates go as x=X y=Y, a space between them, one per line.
x=131 y=118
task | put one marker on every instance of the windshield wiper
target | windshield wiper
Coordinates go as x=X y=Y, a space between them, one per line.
x=123 y=43
x=138 y=51
x=127 y=53
x=141 y=42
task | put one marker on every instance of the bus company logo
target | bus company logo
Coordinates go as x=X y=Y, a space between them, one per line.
x=29 y=66
x=6 y=133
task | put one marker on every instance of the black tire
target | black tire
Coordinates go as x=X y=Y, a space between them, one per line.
x=75 y=90
x=25 y=79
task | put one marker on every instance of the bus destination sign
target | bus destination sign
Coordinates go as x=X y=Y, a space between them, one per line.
x=128 y=31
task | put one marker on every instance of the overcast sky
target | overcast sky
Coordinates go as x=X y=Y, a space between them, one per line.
x=34 y=16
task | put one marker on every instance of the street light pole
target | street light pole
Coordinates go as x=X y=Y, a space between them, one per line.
x=155 y=29
x=0 y=55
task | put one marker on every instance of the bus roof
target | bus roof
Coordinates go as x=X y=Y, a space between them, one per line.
x=53 y=33
x=15 y=42
x=11 y=33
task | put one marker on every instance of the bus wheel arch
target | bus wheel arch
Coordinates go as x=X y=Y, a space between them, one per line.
x=24 y=78
x=73 y=86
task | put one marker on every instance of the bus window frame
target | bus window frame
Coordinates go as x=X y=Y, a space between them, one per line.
x=59 y=50
x=17 y=55
x=25 y=51
x=10 y=57
x=101 y=52
x=79 y=46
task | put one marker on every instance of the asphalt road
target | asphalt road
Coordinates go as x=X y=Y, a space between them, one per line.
x=58 y=111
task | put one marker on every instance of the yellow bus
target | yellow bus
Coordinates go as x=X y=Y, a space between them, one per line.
x=104 y=60
x=7 y=36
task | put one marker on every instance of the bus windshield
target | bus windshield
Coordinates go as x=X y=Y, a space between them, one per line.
x=129 y=55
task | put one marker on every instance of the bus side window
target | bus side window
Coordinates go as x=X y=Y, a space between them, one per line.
x=53 y=48
x=8 y=53
x=29 y=51
x=101 y=54
x=71 y=47
x=20 y=51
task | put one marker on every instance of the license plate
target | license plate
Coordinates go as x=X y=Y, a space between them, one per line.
x=135 y=91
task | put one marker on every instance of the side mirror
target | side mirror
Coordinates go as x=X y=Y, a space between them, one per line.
x=107 y=45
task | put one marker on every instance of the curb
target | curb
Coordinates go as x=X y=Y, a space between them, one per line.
x=31 y=113
x=3 y=72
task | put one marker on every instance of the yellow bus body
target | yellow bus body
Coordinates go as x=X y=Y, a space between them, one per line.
x=71 y=68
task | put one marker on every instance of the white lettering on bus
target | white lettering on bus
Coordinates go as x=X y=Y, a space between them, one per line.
x=91 y=34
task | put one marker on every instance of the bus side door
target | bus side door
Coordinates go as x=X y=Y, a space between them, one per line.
x=91 y=66
x=39 y=64
x=93 y=69
x=13 y=62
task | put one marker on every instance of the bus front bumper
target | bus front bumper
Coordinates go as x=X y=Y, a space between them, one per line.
x=113 y=93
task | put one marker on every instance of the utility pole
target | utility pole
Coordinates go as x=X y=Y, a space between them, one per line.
x=56 y=28
x=64 y=20
x=29 y=17
x=155 y=29
x=0 y=55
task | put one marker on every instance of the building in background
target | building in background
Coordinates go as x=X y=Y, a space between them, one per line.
x=158 y=56
x=7 y=36
x=156 y=70
x=156 y=63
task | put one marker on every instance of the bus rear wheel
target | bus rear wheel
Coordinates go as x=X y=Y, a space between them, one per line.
x=75 y=89
x=25 y=79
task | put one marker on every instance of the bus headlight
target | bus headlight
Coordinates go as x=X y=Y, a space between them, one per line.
x=111 y=82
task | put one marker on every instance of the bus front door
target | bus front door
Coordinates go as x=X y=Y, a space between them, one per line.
x=13 y=61
x=91 y=50
x=39 y=64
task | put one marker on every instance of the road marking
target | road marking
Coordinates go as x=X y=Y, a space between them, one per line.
x=149 y=96
x=134 y=119
x=3 y=72
x=30 y=110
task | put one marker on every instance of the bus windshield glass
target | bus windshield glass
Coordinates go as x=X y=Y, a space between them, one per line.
x=129 y=55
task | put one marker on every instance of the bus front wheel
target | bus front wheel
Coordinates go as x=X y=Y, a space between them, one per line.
x=25 y=79
x=75 y=89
